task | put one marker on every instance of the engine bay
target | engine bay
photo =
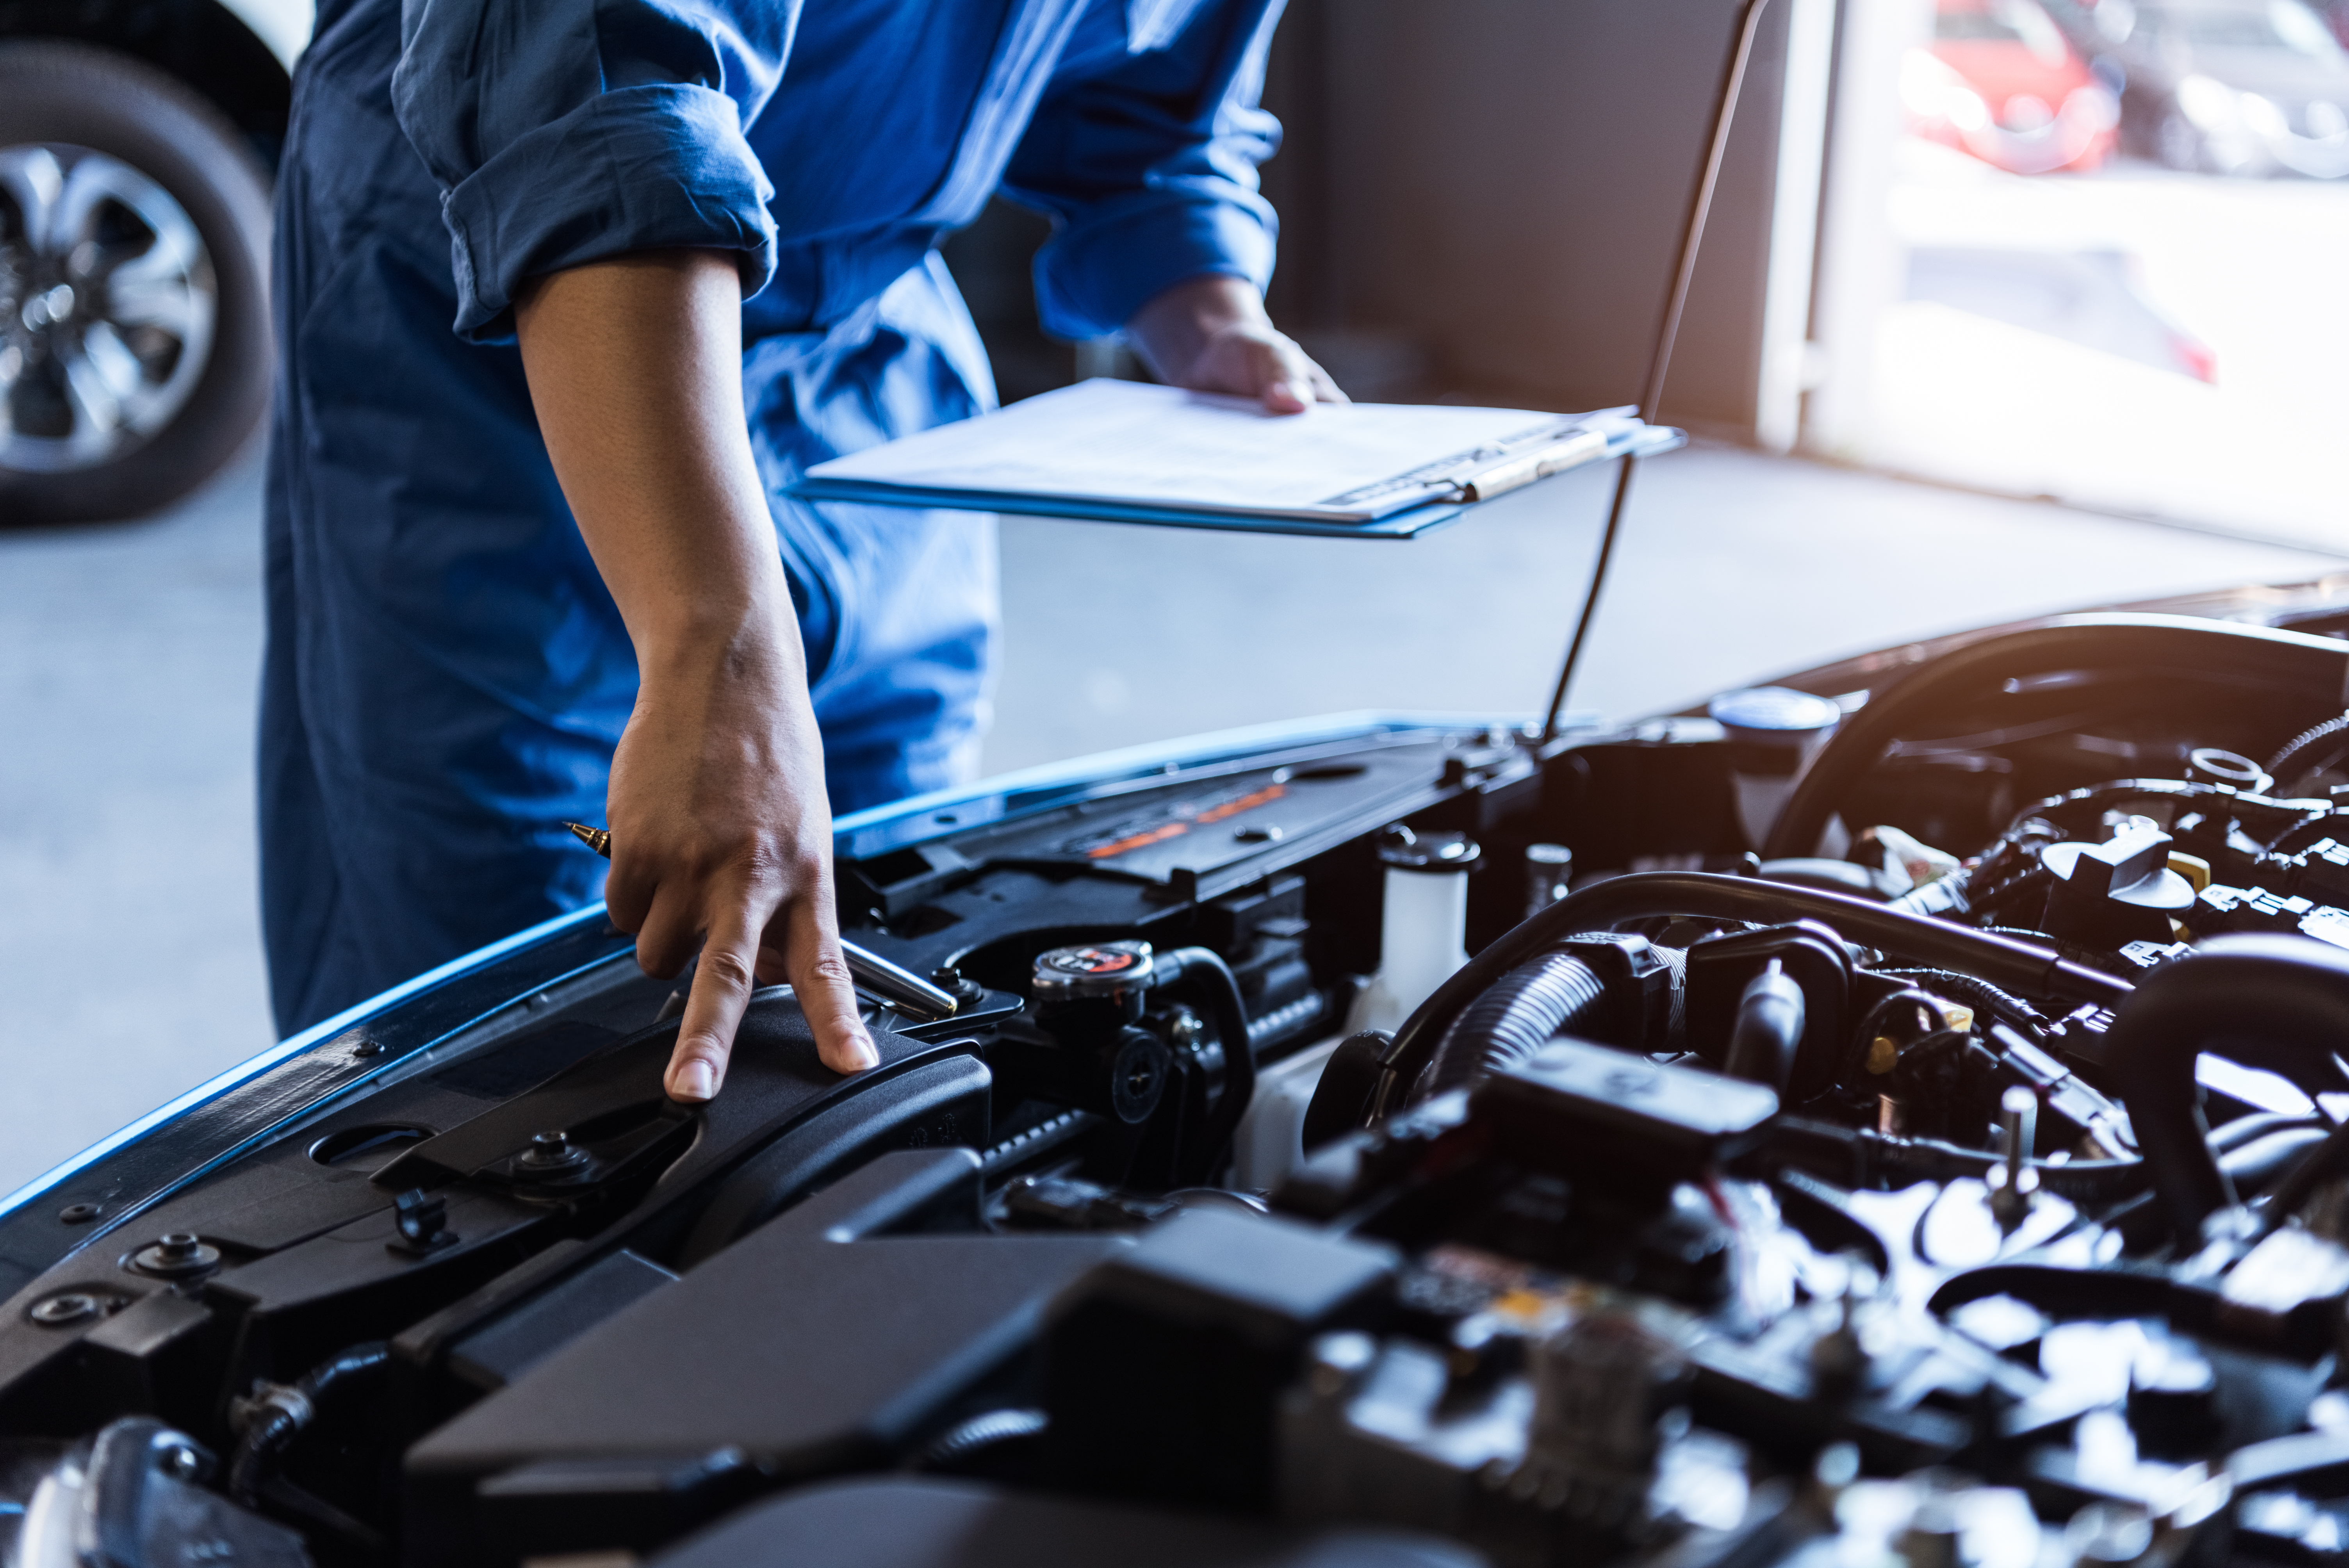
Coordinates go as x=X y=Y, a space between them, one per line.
x=1897 y=1114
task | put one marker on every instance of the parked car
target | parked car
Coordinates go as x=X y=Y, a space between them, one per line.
x=2001 y=82
x=2094 y=297
x=136 y=141
x=2224 y=87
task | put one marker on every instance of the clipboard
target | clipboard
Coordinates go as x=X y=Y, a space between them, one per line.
x=1125 y=452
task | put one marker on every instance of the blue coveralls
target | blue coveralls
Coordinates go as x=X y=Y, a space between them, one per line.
x=446 y=674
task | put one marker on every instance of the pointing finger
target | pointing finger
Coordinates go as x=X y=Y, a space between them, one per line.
x=820 y=981
x=723 y=983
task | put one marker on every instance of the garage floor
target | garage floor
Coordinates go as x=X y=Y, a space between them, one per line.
x=128 y=655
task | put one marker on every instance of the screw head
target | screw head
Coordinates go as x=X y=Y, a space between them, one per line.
x=551 y=1151
x=177 y=1256
x=65 y=1308
x=180 y=1461
x=79 y=1213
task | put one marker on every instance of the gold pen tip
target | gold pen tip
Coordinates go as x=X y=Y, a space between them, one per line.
x=595 y=838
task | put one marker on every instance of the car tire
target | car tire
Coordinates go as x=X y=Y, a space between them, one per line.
x=121 y=397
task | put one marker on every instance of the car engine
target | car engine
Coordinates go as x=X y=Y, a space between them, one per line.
x=1897 y=1115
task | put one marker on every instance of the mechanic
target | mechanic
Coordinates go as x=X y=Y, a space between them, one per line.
x=528 y=570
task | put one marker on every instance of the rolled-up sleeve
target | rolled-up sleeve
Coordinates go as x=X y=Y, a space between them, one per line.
x=1149 y=167
x=566 y=132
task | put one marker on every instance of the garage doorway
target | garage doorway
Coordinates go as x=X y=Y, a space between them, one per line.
x=2093 y=250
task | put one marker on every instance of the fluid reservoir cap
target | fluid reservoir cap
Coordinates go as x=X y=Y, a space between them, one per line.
x=2131 y=867
x=1441 y=854
x=1774 y=715
x=1093 y=969
x=2209 y=765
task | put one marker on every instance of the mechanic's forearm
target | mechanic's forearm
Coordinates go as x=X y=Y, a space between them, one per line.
x=634 y=368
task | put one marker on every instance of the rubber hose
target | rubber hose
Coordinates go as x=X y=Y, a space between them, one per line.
x=1985 y=997
x=2144 y=647
x=2255 y=1166
x=1831 y=1152
x=2296 y=749
x=2230 y=1136
x=280 y=1419
x=2270 y=1001
x=1645 y=895
x=1515 y=1018
x=2318 y=1166
x=1213 y=976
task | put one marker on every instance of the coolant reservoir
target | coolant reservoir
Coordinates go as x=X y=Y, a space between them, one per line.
x=1773 y=731
x=1422 y=936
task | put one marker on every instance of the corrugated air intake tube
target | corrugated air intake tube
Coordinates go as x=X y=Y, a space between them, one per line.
x=1514 y=1019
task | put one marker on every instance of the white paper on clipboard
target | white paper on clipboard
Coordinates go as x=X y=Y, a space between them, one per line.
x=1128 y=443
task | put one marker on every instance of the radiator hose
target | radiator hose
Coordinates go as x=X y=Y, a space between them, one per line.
x=2275 y=1002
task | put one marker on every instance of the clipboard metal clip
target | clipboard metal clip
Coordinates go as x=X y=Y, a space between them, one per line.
x=1518 y=469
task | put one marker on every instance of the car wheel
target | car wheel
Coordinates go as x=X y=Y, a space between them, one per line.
x=2179 y=144
x=134 y=286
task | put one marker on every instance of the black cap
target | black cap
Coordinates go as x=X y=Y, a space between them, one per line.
x=1093 y=969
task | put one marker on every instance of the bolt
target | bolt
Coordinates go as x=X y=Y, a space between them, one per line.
x=966 y=990
x=79 y=1213
x=66 y=1308
x=180 y=1461
x=177 y=1255
x=361 y=1050
x=2017 y=1182
x=551 y=1151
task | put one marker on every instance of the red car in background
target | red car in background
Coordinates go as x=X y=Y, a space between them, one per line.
x=2002 y=83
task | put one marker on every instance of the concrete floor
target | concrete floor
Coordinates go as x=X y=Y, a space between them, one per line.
x=129 y=655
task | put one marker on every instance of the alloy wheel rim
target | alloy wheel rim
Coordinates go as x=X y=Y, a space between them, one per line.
x=108 y=303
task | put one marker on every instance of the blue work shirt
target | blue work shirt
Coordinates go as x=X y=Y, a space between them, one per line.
x=447 y=675
x=835 y=146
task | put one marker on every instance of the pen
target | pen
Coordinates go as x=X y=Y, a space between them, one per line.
x=900 y=987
